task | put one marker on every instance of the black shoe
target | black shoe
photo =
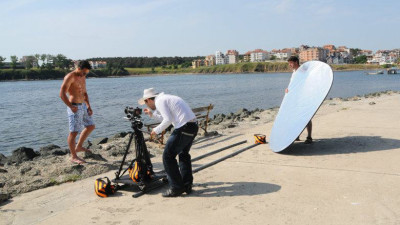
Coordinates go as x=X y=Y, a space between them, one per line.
x=172 y=193
x=309 y=140
x=188 y=189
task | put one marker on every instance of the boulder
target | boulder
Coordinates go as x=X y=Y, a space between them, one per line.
x=101 y=140
x=22 y=154
x=3 y=159
x=4 y=197
x=52 y=150
x=120 y=135
x=241 y=111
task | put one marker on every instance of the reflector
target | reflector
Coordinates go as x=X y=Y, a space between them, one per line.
x=309 y=87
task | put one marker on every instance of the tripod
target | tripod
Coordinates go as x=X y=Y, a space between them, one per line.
x=142 y=156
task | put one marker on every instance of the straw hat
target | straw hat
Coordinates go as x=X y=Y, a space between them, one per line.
x=147 y=93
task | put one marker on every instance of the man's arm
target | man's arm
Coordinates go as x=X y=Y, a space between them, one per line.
x=63 y=92
x=86 y=99
x=164 y=110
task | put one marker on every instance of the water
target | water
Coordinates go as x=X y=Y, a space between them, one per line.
x=33 y=115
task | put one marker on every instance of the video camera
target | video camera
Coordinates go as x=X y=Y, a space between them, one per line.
x=133 y=114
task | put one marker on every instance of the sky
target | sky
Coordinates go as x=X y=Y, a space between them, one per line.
x=121 y=28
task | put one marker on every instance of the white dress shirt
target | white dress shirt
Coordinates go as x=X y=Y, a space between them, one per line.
x=171 y=110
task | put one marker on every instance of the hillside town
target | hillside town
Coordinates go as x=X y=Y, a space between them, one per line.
x=328 y=53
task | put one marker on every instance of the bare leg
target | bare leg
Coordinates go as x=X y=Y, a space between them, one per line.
x=85 y=133
x=71 y=144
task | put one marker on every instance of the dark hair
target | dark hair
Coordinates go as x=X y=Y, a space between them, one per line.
x=294 y=59
x=84 y=64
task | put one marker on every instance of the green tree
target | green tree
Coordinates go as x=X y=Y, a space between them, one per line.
x=362 y=59
x=59 y=61
x=273 y=57
x=186 y=65
x=49 y=62
x=37 y=58
x=14 y=60
x=355 y=51
x=1 y=61
x=43 y=59
x=29 y=62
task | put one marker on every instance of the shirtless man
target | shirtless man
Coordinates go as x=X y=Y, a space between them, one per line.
x=79 y=110
x=294 y=64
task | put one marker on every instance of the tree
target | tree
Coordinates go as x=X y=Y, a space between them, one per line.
x=37 y=58
x=59 y=61
x=43 y=58
x=355 y=51
x=273 y=57
x=29 y=62
x=1 y=61
x=14 y=60
x=49 y=61
x=362 y=59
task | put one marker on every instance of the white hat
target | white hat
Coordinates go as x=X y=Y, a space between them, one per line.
x=147 y=93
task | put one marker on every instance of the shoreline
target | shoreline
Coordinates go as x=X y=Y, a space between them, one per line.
x=27 y=170
x=189 y=73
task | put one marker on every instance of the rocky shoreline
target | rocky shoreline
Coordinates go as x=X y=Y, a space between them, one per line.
x=27 y=170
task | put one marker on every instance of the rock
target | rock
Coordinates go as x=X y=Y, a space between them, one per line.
x=34 y=172
x=24 y=169
x=3 y=171
x=372 y=103
x=332 y=103
x=4 y=197
x=3 y=159
x=94 y=156
x=2 y=184
x=120 y=135
x=52 y=150
x=101 y=140
x=87 y=144
x=231 y=125
x=241 y=111
x=116 y=151
x=22 y=154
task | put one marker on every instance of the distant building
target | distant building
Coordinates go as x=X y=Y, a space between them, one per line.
x=329 y=47
x=314 y=53
x=246 y=56
x=209 y=60
x=98 y=64
x=259 y=55
x=282 y=54
x=232 y=57
x=219 y=58
x=197 y=63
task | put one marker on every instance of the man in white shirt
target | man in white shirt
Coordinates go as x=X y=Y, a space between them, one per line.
x=294 y=65
x=173 y=110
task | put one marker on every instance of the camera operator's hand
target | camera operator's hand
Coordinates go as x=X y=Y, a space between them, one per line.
x=148 y=112
x=74 y=108
x=90 y=111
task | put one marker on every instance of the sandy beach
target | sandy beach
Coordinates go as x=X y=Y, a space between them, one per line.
x=349 y=175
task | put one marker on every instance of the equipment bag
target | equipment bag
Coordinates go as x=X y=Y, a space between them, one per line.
x=259 y=138
x=139 y=172
x=104 y=188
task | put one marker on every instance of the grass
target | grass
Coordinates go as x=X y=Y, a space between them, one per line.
x=260 y=67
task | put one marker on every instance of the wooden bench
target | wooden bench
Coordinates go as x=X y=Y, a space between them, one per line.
x=202 y=115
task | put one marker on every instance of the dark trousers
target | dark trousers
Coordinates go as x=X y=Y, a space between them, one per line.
x=179 y=143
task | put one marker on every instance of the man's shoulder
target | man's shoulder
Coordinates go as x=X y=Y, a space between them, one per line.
x=70 y=76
